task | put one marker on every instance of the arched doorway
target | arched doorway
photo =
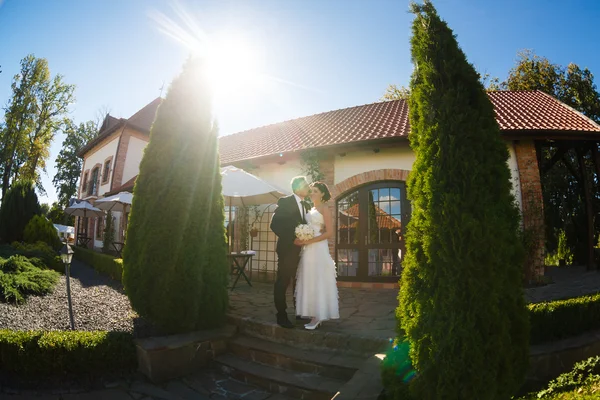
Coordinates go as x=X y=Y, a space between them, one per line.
x=371 y=222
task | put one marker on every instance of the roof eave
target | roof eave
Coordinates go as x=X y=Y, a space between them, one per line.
x=273 y=157
x=101 y=136
x=520 y=134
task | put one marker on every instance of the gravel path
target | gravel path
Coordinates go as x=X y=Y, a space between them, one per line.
x=99 y=303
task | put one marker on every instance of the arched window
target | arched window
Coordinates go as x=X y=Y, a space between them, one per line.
x=371 y=222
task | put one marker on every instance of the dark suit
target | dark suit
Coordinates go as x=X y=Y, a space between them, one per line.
x=286 y=218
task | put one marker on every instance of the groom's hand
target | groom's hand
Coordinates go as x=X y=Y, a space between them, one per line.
x=298 y=242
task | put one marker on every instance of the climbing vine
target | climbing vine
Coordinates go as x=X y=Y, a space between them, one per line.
x=310 y=161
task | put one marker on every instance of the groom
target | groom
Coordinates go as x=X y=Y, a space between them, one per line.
x=290 y=213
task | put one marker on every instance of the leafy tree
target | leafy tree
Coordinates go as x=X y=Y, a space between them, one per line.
x=68 y=164
x=175 y=268
x=461 y=302
x=20 y=204
x=45 y=209
x=564 y=207
x=33 y=116
x=394 y=92
x=57 y=215
x=109 y=233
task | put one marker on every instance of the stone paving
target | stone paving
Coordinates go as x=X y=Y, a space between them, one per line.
x=567 y=282
x=371 y=312
x=363 y=312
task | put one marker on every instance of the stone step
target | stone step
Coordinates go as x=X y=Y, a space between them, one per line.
x=321 y=363
x=362 y=346
x=296 y=385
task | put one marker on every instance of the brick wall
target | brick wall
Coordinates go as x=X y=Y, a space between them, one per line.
x=533 y=208
x=119 y=163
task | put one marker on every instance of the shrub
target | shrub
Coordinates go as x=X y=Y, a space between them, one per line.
x=41 y=251
x=584 y=372
x=19 y=205
x=51 y=353
x=19 y=278
x=102 y=263
x=109 y=233
x=175 y=267
x=563 y=251
x=559 y=319
x=461 y=299
x=39 y=229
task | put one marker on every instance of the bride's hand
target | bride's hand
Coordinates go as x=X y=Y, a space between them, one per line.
x=298 y=242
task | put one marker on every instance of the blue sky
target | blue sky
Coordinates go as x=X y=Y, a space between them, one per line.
x=320 y=55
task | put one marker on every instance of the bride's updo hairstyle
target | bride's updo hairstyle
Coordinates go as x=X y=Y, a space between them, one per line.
x=323 y=189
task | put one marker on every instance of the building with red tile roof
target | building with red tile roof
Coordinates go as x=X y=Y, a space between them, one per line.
x=364 y=156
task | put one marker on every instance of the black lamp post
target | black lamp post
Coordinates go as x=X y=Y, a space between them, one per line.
x=66 y=253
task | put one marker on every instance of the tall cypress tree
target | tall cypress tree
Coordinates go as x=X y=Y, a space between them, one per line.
x=175 y=269
x=461 y=301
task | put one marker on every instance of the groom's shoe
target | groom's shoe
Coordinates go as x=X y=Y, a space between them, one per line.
x=284 y=322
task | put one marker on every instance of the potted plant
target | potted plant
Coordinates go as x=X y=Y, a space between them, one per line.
x=254 y=232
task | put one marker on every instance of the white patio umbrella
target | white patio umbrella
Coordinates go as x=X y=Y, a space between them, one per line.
x=83 y=209
x=241 y=188
x=120 y=202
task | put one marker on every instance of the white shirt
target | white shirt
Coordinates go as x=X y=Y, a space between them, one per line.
x=299 y=202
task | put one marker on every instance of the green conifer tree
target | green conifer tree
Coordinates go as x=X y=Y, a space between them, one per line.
x=20 y=204
x=175 y=268
x=461 y=301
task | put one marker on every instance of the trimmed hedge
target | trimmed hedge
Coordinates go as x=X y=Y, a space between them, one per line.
x=102 y=263
x=559 y=319
x=57 y=352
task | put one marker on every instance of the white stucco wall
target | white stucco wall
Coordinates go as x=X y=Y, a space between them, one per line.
x=278 y=175
x=401 y=157
x=135 y=152
x=98 y=157
x=514 y=174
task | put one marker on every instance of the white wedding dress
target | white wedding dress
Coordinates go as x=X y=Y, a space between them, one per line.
x=316 y=288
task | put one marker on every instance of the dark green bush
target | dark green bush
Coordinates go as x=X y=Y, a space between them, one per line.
x=564 y=318
x=582 y=372
x=102 y=263
x=175 y=267
x=19 y=278
x=19 y=205
x=40 y=250
x=39 y=229
x=70 y=352
x=461 y=300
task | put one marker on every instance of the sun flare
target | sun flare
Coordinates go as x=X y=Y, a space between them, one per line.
x=233 y=67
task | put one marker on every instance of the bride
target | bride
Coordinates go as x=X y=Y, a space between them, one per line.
x=316 y=288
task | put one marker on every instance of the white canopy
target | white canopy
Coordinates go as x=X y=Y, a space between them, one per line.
x=70 y=230
x=242 y=189
x=120 y=202
x=83 y=209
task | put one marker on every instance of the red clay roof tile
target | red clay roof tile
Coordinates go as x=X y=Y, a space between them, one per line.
x=515 y=111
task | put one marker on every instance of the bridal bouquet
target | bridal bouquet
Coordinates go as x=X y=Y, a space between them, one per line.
x=305 y=232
